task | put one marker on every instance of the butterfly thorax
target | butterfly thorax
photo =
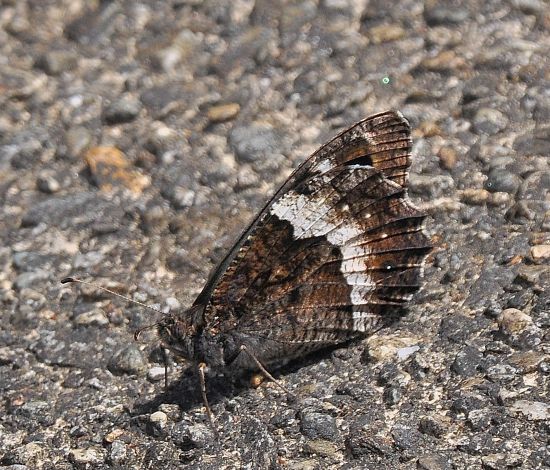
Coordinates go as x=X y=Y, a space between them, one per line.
x=178 y=333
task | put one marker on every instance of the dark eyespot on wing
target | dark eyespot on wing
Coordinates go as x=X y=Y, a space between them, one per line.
x=382 y=141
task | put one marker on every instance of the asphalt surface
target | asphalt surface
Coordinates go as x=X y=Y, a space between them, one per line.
x=137 y=139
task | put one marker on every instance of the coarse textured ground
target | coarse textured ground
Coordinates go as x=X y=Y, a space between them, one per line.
x=137 y=138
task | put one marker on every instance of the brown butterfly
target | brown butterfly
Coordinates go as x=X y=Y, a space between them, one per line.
x=334 y=255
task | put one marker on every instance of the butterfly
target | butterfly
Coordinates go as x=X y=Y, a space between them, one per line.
x=335 y=255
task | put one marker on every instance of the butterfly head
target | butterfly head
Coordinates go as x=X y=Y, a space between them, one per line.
x=178 y=332
x=184 y=334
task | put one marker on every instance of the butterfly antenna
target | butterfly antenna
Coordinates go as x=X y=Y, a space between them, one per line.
x=68 y=280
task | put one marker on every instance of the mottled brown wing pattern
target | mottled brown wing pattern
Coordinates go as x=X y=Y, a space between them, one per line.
x=381 y=140
x=351 y=262
x=335 y=254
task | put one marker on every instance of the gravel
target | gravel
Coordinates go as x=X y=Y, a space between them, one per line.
x=208 y=107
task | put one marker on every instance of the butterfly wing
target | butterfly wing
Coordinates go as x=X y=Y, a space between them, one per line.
x=337 y=251
x=381 y=140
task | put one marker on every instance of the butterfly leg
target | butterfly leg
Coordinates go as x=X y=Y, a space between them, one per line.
x=202 y=380
x=243 y=348
x=165 y=360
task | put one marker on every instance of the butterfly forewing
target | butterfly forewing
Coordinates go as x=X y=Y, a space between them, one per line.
x=335 y=253
x=381 y=140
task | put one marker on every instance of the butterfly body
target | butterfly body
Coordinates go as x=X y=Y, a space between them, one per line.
x=335 y=255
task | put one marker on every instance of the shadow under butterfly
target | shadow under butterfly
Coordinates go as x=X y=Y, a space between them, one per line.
x=334 y=256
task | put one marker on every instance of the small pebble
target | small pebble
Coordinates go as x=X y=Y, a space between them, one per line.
x=432 y=462
x=118 y=452
x=540 y=253
x=501 y=373
x=254 y=142
x=113 y=435
x=223 y=112
x=30 y=279
x=48 y=184
x=129 y=360
x=532 y=410
x=77 y=139
x=192 y=436
x=404 y=353
x=121 y=111
x=159 y=418
x=94 y=317
x=155 y=374
x=392 y=395
x=172 y=304
x=447 y=157
x=500 y=461
x=502 y=180
x=321 y=447
x=110 y=168
x=434 y=426
x=85 y=456
x=386 y=348
x=318 y=425
x=514 y=321
x=445 y=15
x=474 y=197
x=56 y=62
x=386 y=33
x=489 y=121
